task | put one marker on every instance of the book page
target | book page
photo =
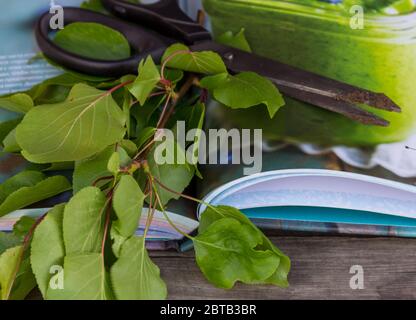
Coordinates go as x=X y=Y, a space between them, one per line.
x=318 y=188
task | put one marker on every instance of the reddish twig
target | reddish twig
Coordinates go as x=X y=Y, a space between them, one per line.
x=162 y=116
x=182 y=92
x=174 y=192
x=121 y=85
x=94 y=184
x=26 y=242
x=164 y=64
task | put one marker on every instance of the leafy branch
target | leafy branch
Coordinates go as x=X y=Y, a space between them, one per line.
x=106 y=131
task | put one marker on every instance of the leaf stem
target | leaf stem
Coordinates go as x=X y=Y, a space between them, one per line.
x=164 y=64
x=158 y=93
x=182 y=92
x=188 y=197
x=167 y=112
x=106 y=225
x=94 y=184
x=144 y=149
x=121 y=85
x=151 y=211
x=26 y=242
x=183 y=195
x=166 y=215
x=162 y=121
x=107 y=205
x=111 y=91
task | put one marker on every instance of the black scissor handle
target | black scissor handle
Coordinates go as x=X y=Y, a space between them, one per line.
x=143 y=41
x=164 y=16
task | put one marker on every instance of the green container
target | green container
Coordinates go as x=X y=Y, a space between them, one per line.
x=317 y=36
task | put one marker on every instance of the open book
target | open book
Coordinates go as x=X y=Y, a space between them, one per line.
x=322 y=201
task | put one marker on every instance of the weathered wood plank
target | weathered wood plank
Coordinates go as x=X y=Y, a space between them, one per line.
x=320 y=270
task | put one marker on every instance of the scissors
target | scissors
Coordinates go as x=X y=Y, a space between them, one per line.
x=152 y=28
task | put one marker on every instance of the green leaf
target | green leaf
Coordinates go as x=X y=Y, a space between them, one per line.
x=145 y=135
x=16 y=277
x=146 y=81
x=22 y=227
x=213 y=82
x=245 y=90
x=215 y=213
x=52 y=94
x=20 y=180
x=212 y=214
x=85 y=278
x=237 y=40
x=280 y=276
x=174 y=75
x=129 y=146
x=89 y=170
x=60 y=166
x=24 y=282
x=194 y=117
x=174 y=175
x=47 y=248
x=25 y=196
x=226 y=253
x=93 y=40
x=19 y=102
x=56 y=89
x=8 y=240
x=95 y=81
x=86 y=123
x=113 y=164
x=143 y=114
x=206 y=62
x=134 y=276
x=10 y=144
x=117 y=241
x=126 y=105
x=63 y=80
x=9 y=262
x=84 y=218
x=7 y=126
x=94 y=5
x=128 y=204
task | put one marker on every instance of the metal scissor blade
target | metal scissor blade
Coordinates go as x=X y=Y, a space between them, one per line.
x=306 y=86
x=347 y=109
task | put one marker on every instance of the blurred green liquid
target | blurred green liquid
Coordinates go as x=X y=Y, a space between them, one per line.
x=323 y=38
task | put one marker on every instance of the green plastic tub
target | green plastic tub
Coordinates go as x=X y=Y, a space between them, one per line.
x=317 y=36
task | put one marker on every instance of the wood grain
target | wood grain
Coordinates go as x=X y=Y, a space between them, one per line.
x=320 y=270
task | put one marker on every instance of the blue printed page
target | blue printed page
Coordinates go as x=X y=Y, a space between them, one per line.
x=17 y=20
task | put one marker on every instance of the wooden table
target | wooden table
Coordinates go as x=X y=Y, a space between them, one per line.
x=320 y=270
